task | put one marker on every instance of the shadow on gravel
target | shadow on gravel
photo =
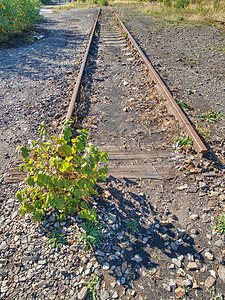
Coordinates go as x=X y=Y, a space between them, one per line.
x=41 y=54
x=144 y=243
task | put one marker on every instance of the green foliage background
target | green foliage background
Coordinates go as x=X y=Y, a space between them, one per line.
x=17 y=15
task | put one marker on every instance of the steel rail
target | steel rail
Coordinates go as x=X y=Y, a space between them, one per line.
x=80 y=75
x=178 y=111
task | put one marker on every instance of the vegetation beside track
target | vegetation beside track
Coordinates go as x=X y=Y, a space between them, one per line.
x=200 y=12
x=82 y=3
x=16 y=16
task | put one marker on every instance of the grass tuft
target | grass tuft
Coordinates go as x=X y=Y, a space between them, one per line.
x=212 y=116
x=220 y=223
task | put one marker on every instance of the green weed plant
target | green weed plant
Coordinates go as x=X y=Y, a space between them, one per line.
x=220 y=223
x=91 y=286
x=62 y=173
x=56 y=239
x=184 y=105
x=133 y=226
x=91 y=236
x=212 y=116
x=184 y=141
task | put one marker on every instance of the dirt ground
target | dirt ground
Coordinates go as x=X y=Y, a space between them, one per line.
x=158 y=205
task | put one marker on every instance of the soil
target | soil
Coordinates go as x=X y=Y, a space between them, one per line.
x=158 y=204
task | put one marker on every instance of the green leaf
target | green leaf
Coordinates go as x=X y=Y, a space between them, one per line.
x=77 y=193
x=84 y=205
x=21 y=168
x=80 y=146
x=25 y=151
x=67 y=134
x=19 y=196
x=85 y=214
x=60 y=202
x=104 y=157
x=30 y=181
x=66 y=150
x=64 y=165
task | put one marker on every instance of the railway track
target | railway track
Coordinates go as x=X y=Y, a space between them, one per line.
x=123 y=52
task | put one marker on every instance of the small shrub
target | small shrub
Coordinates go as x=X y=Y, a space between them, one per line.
x=181 y=3
x=103 y=2
x=62 y=173
x=17 y=15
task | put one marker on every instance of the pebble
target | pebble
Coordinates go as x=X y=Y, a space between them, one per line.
x=172 y=284
x=124 y=267
x=209 y=255
x=187 y=283
x=3 y=273
x=221 y=273
x=123 y=280
x=180 y=232
x=115 y=295
x=98 y=273
x=209 y=282
x=174 y=246
x=83 y=293
x=180 y=272
x=111 y=219
x=190 y=257
x=194 y=217
x=106 y=266
x=30 y=274
x=166 y=287
x=176 y=262
x=180 y=292
x=219 y=243
x=84 y=259
x=118 y=272
x=171 y=266
x=137 y=258
x=100 y=253
x=3 y=245
x=212 y=273
x=104 y=295
x=192 y=266
x=195 y=285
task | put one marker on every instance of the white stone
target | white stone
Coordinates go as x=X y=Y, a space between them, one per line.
x=137 y=258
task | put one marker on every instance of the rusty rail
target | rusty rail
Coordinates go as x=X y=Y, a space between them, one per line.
x=178 y=111
x=80 y=75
